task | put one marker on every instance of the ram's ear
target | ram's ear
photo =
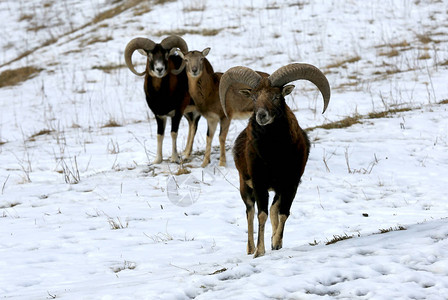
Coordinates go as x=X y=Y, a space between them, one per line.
x=246 y=93
x=287 y=89
x=206 y=51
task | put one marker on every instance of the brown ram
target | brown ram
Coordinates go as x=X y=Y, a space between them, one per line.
x=166 y=88
x=271 y=153
x=203 y=85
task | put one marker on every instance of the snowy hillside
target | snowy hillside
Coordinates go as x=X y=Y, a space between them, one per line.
x=85 y=215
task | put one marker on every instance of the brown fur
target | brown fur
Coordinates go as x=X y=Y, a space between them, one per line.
x=204 y=89
x=270 y=157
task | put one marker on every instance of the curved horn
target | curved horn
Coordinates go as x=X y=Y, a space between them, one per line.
x=134 y=44
x=298 y=71
x=174 y=51
x=236 y=75
x=175 y=41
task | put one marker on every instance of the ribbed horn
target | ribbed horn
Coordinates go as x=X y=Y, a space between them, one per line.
x=175 y=41
x=182 y=66
x=135 y=44
x=299 y=71
x=236 y=75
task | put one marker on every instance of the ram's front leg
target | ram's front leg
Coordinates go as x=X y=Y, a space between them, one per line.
x=175 y=121
x=161 y=122
x=262 y=198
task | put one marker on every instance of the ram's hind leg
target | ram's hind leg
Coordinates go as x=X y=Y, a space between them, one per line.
x=246 y=194
x=224 y=129
x=211 y=128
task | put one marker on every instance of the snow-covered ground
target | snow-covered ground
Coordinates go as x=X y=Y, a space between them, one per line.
x=85 y=215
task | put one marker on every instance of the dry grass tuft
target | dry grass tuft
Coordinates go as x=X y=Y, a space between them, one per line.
x=338 y=238
x=114 y=11
x=112 y=123
x=109 y=68
x=398 y=228
x=424 y=38
x=16 y=76
x=94 y=40
x=26 y=17
x=387 y=113
x=42 y=132
x=181 y=32
x=391 y=53
x=344 y=123
x=341 y=63
x=357 y=119
x=424 y=56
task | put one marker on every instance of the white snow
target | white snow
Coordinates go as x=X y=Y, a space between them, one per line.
x=85 y=215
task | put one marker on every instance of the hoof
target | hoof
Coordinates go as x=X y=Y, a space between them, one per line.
x=175 y=159
x=276 y=244
x=276 y=247
x=158 y=160
x=186 y=155
x=258 y=254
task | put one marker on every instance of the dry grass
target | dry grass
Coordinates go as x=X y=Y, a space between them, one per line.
x=344 y=123
x=26 y=17
x=116 y=224
x=42 y=132
x=203 y=32
x=114 y=11
x=338 y=238
x=398 y=228
x=110 y=13
x=390 y=53
x=111 y=123
x=94 y=40
x=424 y=56
x=341 y=63
x=141 y=10
x=109 y=68
x=388 y=113
x=16 y=76
x=424 y=38
x=358 y=119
